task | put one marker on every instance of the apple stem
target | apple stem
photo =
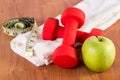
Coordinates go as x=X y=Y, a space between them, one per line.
x=100 y=39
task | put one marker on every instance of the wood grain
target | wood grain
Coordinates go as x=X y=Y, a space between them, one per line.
x=14 y=67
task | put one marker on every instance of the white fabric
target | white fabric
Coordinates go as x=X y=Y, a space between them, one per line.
x=99 y=13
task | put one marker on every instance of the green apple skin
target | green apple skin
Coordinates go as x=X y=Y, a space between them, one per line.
x=98 y=53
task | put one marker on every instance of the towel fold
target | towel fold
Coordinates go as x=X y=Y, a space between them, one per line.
x=99 y=13
x=43 y=49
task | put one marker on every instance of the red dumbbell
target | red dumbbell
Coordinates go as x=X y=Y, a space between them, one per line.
x=52 y=30
x=65 y=55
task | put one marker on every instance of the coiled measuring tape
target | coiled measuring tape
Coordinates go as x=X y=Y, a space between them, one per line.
x=16 y=26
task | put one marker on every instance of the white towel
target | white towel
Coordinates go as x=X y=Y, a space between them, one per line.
x=99 y=13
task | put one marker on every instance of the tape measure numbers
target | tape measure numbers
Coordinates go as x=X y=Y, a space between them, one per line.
x=31 y=40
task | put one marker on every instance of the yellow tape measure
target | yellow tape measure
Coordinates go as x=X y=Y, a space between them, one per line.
x=31 y=40
x=16 y=26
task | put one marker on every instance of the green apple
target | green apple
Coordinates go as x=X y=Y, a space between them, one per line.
x=98 y=53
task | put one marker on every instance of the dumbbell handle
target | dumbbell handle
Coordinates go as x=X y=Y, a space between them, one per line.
x=70 y=32
x=60 y=33
x=81 y=36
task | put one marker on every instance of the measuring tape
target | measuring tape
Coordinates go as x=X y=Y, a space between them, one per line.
x=16 y=26
x=31 y=40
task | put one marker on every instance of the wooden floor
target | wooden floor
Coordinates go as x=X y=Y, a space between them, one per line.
x=14 y=67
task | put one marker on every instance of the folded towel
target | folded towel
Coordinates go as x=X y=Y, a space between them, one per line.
x=99 y=13
x=43 y=49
